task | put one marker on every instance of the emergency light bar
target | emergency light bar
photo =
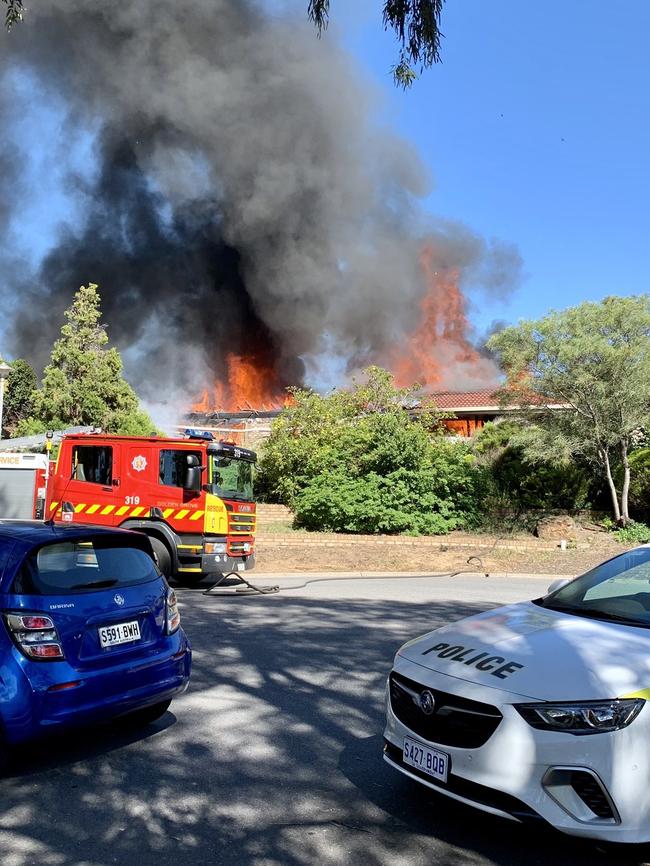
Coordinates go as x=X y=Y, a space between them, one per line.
x=191 y=433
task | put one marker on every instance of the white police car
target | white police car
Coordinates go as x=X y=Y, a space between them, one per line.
x=539 y=709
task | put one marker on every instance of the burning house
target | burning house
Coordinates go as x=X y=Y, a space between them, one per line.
x=248 y=222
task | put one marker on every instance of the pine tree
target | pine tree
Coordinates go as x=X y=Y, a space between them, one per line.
x=83 y=383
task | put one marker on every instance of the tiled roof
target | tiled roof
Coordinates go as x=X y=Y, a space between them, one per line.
x=466 y=399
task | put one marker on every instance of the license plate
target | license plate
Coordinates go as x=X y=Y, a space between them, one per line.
x=429 y=761
x=241 y=566
x=121 y=632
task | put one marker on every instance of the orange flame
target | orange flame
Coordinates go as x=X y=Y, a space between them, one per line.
x=250 y=384
x=440 y=341
x=438 y=353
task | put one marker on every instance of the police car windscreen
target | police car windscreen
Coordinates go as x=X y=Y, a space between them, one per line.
x=617 y=590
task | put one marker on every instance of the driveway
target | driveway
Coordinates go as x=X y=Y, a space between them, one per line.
x=274 y=754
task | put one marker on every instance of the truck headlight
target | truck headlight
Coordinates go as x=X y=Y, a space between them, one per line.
x=582 y=717
x=214 y=547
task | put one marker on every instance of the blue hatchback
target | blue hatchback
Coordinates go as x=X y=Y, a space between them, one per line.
x=90 y=629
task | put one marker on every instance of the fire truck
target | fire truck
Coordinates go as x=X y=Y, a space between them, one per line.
x=193 y=496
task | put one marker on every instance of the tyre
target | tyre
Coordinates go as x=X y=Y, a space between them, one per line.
x=162 y=556
x=147 y=715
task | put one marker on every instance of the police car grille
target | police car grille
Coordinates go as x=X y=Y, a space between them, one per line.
x=455 y=721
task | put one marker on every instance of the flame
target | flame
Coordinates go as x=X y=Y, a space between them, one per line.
x=248 y=384
x=437 y=354
x=439 y=343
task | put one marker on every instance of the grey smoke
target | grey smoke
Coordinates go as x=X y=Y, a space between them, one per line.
x=244 y=199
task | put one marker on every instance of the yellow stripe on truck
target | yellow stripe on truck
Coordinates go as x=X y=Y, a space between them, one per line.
x=137 y=511
x=53 y=506
x=196 y=515
x=79 y=508
x=92 y=509
x=122 y=510
x=167 y=512
x=107 y=509
x=181 y=514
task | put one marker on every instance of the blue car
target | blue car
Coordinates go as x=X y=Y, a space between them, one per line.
x=90 y=630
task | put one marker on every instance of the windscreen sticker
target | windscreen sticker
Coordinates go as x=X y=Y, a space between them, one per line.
x=483 y=661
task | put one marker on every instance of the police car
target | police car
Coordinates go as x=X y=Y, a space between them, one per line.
x=537 y=710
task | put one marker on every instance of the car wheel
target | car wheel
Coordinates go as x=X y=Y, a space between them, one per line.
x=162 y=556
x=148 y=714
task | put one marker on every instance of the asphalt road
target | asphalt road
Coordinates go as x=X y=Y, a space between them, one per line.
x=274 y=754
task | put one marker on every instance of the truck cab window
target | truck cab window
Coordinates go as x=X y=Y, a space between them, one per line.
x=93 y=463
x=174 y=465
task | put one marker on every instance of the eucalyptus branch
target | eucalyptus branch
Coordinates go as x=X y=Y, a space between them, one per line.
x=14 y=13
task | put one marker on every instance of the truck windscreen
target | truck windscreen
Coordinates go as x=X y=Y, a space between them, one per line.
x=231 y=477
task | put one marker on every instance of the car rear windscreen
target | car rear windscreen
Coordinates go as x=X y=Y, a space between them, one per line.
x=83 y=566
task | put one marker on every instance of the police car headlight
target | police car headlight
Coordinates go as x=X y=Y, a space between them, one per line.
x=585 y=717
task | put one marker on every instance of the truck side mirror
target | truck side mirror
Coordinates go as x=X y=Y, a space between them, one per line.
x=193 y=478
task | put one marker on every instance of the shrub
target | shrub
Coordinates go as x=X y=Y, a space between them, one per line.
x=443 y=493
x=522 y=484
x=634 y=533
x=356 y=461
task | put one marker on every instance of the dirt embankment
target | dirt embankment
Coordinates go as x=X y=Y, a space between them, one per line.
x=281 y=549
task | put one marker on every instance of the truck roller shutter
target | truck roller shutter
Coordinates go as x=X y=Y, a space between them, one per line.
x=17 y=493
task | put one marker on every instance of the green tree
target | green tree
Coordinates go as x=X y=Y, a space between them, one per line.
x=582 y=379
x=416 y=24
x=83 y=383
x=640 y=483
x=19 y=396
x=356 y=461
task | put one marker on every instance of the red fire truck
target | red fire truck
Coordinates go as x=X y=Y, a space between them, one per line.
x=192 y=496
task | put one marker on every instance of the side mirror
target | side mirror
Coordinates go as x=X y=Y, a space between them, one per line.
x=193 y=478
x=558 y=584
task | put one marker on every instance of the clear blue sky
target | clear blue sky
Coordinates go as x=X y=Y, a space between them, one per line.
x=536 y=128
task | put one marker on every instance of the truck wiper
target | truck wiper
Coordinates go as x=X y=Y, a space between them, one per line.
x=95 y=584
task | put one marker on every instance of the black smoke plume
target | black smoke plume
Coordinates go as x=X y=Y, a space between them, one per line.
x=243 y=200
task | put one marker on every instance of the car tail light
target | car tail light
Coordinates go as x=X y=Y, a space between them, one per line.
x=35 y=635
x=173 y=614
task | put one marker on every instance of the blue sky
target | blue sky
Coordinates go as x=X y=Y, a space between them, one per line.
x=536 y=129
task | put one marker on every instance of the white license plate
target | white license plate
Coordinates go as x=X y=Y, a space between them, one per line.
x=121 y=632
x=241 y=566
x=429 y=761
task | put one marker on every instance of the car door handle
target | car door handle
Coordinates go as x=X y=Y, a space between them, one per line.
x=109 y=489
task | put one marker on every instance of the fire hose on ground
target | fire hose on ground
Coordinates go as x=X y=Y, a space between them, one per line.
x=250 y=589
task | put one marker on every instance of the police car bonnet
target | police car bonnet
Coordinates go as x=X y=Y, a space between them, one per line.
x=538 y=653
